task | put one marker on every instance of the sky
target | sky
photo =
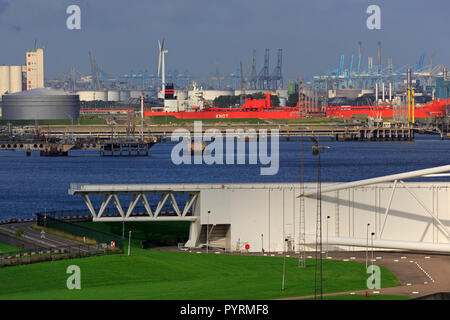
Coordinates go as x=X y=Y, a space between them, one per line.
x=313 y=34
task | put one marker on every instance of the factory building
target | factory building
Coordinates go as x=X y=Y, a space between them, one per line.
x=10 y=79
x=35 y=69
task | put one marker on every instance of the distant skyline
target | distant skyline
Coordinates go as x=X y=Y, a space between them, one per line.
x=123 y=35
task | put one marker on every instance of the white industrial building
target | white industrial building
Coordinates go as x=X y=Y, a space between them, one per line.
x=10 y=79
x=402 y=215
x=35 y=69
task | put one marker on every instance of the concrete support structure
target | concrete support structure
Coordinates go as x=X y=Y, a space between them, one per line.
x=403 y=215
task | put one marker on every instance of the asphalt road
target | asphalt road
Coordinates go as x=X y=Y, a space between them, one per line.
x=420 y=274
x=46 y=241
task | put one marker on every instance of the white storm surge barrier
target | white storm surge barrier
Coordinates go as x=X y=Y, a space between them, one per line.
x=423 y=230
x=266 y=216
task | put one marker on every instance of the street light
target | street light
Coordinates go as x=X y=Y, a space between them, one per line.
x=262 y=243
x=367 y=244
x=373 y=233
x=207 y=233
x=316 y=150
x=328 y=218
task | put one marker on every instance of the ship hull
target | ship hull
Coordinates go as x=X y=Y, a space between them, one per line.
x=226 y=114
x=431 y=110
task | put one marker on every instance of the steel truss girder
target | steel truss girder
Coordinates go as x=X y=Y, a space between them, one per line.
x=141 y=196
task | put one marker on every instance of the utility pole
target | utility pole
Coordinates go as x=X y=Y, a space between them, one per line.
x=207 y=233
x=142 y=116
x=367 y=244
x=318 y=274
x=242 y=87
x=129 y=242
x=301 y=107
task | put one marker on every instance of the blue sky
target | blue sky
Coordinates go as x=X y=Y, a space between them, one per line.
x=313 y=34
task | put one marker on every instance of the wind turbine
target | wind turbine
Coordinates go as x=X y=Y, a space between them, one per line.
x=161 y=64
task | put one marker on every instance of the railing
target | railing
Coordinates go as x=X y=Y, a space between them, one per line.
x=20 y=257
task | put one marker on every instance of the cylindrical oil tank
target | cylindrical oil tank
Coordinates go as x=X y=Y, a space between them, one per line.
x=15 y=79
x=135 y=93
x=86 y=95
x=92 y=95
x=124 y=95
x=4 y=80
x=113 y=95
x=40 y=104
x=100 y=95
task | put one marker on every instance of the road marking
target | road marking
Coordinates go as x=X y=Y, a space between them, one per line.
x=426 y=273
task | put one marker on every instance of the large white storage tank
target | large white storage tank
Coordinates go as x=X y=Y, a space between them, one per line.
x=135 y=93
x=138 y=93
x=124 y=95
x=92 y=95
x=4 y=80
x=113 y=95
x=15 y=79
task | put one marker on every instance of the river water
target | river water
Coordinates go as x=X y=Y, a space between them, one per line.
x=33 y=184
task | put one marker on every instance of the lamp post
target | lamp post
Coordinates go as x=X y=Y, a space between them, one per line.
x=318 y=278
x=367 y=244
x=262 y=244
x=373 y=233
x=207 y=233
x=129 y=242
x=328 y=218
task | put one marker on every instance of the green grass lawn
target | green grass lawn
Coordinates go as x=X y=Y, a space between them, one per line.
x=4 y=247
x=84 y=120
x=173 y=120
x=149 y=274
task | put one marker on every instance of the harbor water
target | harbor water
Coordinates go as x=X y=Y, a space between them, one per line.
x=34 y=184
